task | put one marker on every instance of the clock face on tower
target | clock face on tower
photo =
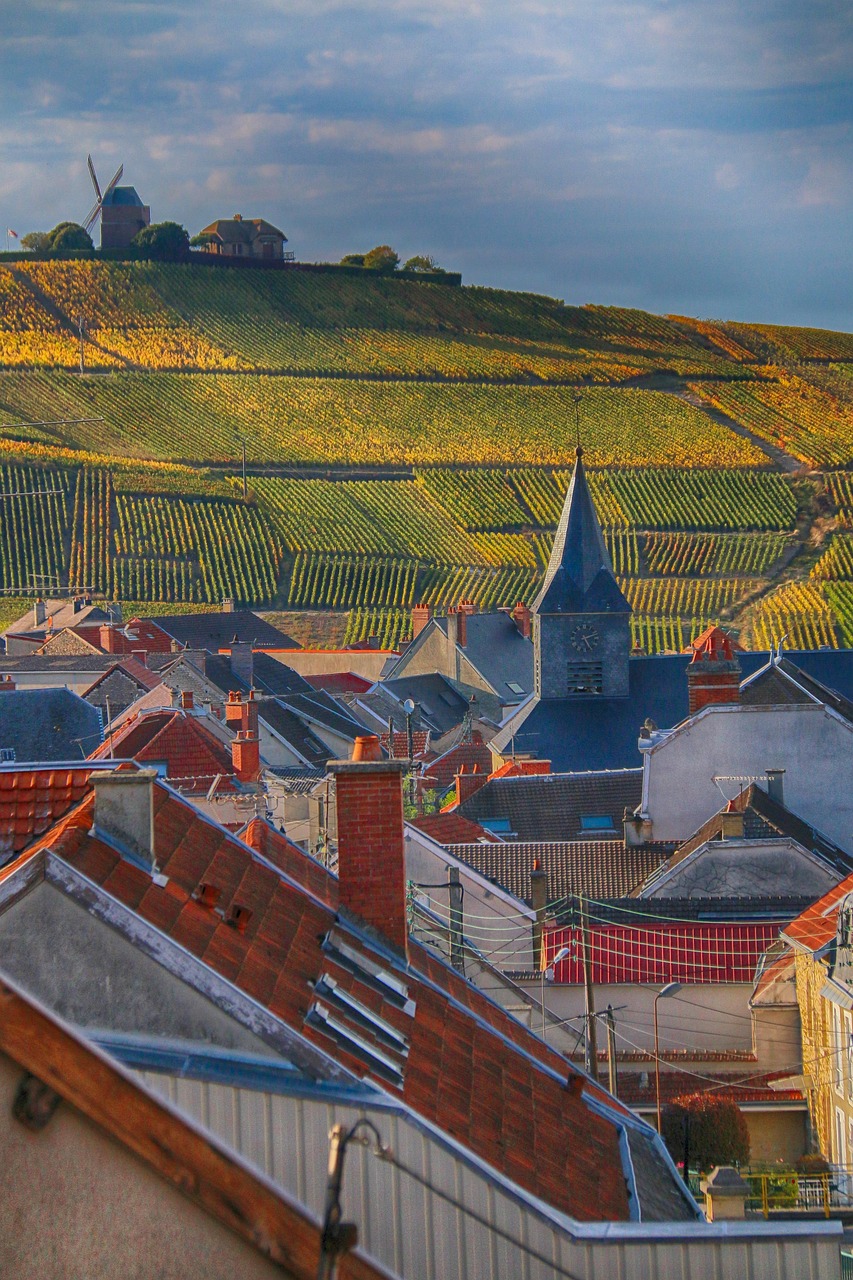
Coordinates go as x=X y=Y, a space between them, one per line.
x=584 y=637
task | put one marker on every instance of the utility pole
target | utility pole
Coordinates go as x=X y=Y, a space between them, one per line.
x=338 y=1237
x=612 y=1080
x=455 y=893
x=590 y=1044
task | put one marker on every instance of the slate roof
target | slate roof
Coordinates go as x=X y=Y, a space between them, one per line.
x=318 y=706
x=438 y=704
x=132 y=668
x=816 y=926
x=550 y=806
x=781 y=683
x=59 y=663
x=600 y=868
x=288 y=726
x=498 y=650
x=63 y=614
x=48 y=724
x=192 y=755
x=455 y=1056
x=215 y=631
x=123 y=196
x=268 y=675
x=602 y=733
x=580 y=577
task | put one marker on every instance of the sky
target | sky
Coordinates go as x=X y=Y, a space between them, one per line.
x=685 y=156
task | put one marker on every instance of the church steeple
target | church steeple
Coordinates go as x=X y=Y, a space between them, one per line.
x=581 y=632
x=580 y=576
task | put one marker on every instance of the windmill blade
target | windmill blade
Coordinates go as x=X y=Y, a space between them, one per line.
x=92 y=217
x=116 y=176
x=94 y=178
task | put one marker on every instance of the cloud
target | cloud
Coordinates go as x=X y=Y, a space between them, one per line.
x=685 y=155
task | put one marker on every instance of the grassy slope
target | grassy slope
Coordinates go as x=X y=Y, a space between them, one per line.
x=369 y=372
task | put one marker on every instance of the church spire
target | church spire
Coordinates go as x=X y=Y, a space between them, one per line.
x=580 y=576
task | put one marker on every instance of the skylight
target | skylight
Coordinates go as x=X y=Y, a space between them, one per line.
x=514 y=687
x=596 y=822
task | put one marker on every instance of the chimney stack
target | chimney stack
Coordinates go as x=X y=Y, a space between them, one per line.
x=124 y=813
x=227 y=606
x=421 y=614
x=107 y=638
x=713 y=674
x=246 y=756
x=469 y=783
x=731 y=822
x=242 y=661
x=539 y=903
x=40 y=612
x=371 y=851
x=187 y=700
x=234 y=712
x=457 y=627
x=7 y=684
x=521 y=616
x=776 y=784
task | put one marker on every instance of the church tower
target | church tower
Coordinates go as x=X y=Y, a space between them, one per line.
x=582 y=621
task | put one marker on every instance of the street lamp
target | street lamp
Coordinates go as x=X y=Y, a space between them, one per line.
x=669 y=990
x=548 y=971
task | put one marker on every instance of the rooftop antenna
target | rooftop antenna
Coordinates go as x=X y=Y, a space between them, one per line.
x=95 y=212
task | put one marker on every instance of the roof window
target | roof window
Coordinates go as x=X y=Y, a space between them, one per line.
x=596 y=822
x=514 y=687
x=7 y=755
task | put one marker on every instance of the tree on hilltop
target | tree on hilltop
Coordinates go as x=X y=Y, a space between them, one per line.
x=352 y=260
x=36 y=241
x=422 y=262
x=68 y=235
x=165 y=241
x=382 y=258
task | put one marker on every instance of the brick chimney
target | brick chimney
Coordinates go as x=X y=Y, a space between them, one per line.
x=421 y=614
x=250 y=712
x=124 y=813
x=246 y=756
x=521 y=616
x=7 y=684
x=457 y=628
x=371 y=851
x=731 y=822
x=187 y=700
x=227 y=606
x=469 y=783
x=713 y=674
x=107 y=638
x=234 y=712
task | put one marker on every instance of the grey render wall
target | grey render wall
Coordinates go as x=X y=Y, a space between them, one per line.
x=814 y=747
x=747 y=868
x=91 y=976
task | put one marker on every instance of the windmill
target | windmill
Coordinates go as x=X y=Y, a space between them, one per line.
x=95 y=211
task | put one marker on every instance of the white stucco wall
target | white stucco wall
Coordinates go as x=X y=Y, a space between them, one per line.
x=811 y=743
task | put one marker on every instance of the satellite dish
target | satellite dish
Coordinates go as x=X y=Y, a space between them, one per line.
x=409 y=707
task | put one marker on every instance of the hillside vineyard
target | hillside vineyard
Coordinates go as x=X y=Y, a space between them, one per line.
x=408 y=443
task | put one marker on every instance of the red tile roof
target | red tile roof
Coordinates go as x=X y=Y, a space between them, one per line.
x=192 y=755
x=32 y=799
x=452 y=828
x=521 y=769
x=145 y=634
x=341 y=682
x=420 y=743
x=694 y=951
x=816 y=926
x=741 y=1087
x=470 y=1067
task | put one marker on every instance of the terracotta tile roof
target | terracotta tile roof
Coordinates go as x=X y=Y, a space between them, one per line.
x=31 y=800
x=193 y=756
x=340 y=682
x=464 y=756
x=145 y=634
x=453 y=829
x=521 y=769
x=740 y=1087
x=657 y=953
x=456 y=1057
x=816 y=926
x=420 y=743
x=599 y=868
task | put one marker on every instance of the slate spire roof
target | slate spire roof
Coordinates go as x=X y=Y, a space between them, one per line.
x=580 y=575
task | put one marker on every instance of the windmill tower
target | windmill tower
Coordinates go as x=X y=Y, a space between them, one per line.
x=120 y=210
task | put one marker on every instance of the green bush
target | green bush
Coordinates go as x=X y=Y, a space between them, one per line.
x=717 y=1132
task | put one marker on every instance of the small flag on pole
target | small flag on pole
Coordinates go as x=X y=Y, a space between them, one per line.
x=10 y=232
